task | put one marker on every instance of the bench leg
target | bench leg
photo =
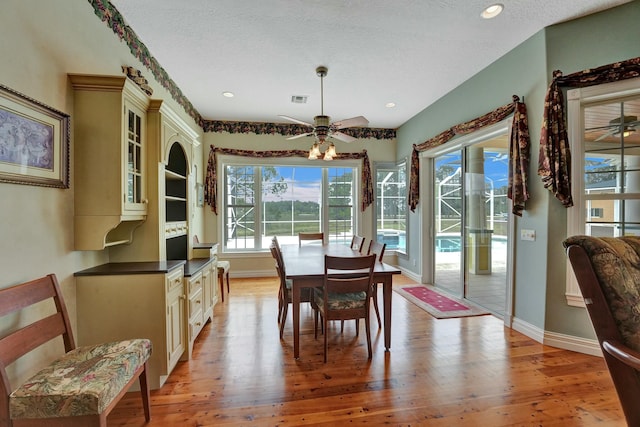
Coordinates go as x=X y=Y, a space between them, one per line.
x=221 y=282
x=144 y=391
x=227 y=282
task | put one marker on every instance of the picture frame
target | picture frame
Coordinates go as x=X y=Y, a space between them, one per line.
x=34 y=142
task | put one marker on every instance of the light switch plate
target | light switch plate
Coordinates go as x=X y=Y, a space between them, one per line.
x=529 y=235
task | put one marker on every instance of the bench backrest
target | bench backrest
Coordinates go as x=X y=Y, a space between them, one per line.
x=40 y=331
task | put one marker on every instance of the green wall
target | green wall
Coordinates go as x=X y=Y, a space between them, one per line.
x=539 y=300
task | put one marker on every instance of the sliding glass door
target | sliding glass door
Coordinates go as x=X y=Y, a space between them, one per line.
x=471 y=214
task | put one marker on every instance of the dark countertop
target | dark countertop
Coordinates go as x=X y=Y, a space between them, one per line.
x=203 y=245
x=191 y=267
x=194 y=265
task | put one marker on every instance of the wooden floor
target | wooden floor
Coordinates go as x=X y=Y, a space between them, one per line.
x=450 y=372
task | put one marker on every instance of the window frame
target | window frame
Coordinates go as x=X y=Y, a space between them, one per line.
x=392 y=165
x=577 y=100
x=231 y=160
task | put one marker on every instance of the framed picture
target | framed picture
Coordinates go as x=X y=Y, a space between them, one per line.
x=34 y=142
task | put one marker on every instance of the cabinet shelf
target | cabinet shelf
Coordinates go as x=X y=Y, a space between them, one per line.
x=175 y=199
x=171 y=175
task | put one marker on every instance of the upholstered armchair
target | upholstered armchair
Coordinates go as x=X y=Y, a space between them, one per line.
x=608 y=273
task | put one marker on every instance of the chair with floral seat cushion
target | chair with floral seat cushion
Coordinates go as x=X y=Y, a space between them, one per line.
x=607 y=270
x=284 y=291
x=80 y=387
x=345 y=297
x=378 y=249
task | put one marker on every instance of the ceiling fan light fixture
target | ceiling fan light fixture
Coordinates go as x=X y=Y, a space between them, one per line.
x=323 y=128
x=314 y=152
x=330 y=153
x=626 y=130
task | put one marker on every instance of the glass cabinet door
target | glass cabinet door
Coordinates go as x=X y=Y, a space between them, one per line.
x=134 y=185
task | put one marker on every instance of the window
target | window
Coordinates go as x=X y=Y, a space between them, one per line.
x=605 y=166
x=391 y=205
x=268 y=200
x=596 y=212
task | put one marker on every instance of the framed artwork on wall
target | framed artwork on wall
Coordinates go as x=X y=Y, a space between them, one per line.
x=34 y=142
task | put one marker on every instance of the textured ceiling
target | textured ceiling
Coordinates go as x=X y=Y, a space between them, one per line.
x=411 y=52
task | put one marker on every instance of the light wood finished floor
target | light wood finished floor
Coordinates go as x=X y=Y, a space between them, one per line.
x=450 y=372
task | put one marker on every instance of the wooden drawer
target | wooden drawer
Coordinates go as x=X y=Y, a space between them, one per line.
x=175 y=279
x=195 y=304
x=194 y=284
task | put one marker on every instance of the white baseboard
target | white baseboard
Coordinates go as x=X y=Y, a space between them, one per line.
x=528 y=329
x=411 y=275
x=577 y=344
x=553 y=339
x=253 y=273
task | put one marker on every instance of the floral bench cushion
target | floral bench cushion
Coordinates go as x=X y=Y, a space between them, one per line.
x=82 y=382
x=616 y=262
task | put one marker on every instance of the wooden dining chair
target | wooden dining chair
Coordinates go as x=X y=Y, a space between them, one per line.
x=376 y=248
x=345 y=297
x=309 y=237
x=357 y=243
x=608 y=274
x=284 y=290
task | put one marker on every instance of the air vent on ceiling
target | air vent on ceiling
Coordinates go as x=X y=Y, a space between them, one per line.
x=299 y=99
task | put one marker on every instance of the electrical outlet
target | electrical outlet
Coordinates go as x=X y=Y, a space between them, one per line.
x=529 y=235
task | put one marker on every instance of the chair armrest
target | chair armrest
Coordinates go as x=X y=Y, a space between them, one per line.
x=623 y=353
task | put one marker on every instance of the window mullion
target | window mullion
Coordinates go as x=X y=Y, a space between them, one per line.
x=258 y=211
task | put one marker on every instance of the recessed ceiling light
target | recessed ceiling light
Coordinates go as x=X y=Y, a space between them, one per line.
x=228 y=94
x=492 y=11
x=390 y=104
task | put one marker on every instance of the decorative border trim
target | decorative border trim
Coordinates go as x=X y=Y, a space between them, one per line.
x=114 y=20
x=260 y=128
x=109 y=14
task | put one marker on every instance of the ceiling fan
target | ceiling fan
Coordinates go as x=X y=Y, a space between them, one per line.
x=322 y=128
x=617 y=126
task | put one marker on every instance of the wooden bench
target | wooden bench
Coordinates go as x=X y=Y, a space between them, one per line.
x=82 y=386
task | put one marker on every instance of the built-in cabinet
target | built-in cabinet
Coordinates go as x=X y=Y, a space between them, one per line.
x=175 y=201
x=195 y=309
x=135 y=300
x=133 y=158
x=110 y=144
x=176 y=330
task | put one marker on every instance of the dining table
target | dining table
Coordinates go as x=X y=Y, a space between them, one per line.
x=304 y=265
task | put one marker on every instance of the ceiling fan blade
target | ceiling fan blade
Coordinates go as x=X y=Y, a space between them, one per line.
x=606 y=135
x=301 y=135
x=296 y=120
x=343 y=137
x=359 y=121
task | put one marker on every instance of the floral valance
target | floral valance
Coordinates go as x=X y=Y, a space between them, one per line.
x=554 y=163
x=518 y=151
x=211 y=180
x=288 y=129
